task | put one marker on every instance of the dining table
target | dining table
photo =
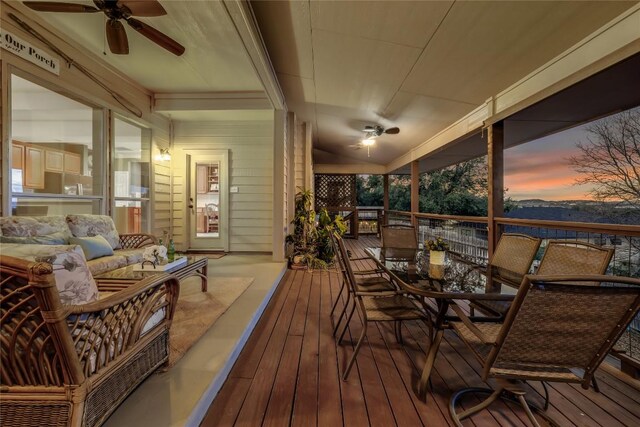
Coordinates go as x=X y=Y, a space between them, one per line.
x=463 y=280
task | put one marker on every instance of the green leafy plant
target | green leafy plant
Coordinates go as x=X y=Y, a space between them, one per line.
x=310 y=242
x=437 y=245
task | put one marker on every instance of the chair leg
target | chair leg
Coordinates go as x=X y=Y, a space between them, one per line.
x=346 y=325
x=546 y=395
x=342 y=313
x=398 y=328
x=513 y=391
x=363 y=334
x=335 y=304
x=596 y=387
x=458 y=417
x=527 y=409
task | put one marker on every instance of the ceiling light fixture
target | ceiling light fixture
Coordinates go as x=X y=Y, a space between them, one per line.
x=368 y=142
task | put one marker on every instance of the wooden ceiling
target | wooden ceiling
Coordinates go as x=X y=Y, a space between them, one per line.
x=417 y=65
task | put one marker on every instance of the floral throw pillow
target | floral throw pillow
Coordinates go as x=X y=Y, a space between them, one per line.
x=83 y=225
x=74 y=281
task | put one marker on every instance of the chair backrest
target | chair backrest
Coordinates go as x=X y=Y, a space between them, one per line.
x=347 y=271
x=562 y=257
x=513 y=256
x=36 y=348
x=399 y=236
x=557 y=323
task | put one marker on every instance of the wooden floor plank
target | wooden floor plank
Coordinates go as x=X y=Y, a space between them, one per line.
x=329 y=397
x=226 y=406
x=305 y=408
x=289 y=372
x=284 y=386
x=263 y=380
x=247 y=363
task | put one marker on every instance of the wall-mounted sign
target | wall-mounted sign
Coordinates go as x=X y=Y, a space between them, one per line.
x=26 y=50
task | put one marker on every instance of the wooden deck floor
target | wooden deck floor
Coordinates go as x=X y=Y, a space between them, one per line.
x=289 y=373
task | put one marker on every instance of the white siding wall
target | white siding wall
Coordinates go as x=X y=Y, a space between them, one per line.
x=161 y=202
x=250 y=145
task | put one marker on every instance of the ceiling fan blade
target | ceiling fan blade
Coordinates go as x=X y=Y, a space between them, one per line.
x=156 y=36
x=143 y=7
x=117 y=37
x=48 y=6
x=355 y=146
x=392 y=131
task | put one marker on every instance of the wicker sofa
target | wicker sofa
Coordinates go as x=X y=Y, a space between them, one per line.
x=72 y=351
x=51 y=230
x=72 y=365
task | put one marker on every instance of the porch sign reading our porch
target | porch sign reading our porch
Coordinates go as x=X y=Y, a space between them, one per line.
x=26 y=50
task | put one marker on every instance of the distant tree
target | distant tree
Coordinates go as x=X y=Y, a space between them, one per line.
x=609 y=159
x=369 y=190
x=400 y=192
x=460 y=189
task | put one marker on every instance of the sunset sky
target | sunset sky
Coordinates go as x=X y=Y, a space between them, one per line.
x=540 y=169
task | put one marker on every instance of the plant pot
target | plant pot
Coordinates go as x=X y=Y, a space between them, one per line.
x=436 y=264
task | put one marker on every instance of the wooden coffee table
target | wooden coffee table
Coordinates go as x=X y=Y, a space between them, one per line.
x=120 y=278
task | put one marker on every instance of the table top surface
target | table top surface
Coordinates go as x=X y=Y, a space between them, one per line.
x=462 y=279
x=128 y=273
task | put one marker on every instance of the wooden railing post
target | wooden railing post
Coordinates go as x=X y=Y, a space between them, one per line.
x=495 y=160
x=415 y=190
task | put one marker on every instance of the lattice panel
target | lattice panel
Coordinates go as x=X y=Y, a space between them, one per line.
x=335 y=191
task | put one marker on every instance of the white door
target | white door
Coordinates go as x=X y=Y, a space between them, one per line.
x=207 y=204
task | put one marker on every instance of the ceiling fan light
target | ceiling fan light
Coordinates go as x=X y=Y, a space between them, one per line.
x=368 y=141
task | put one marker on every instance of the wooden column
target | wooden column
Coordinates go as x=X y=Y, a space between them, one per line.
x=495 y=160
x=415 y=189
x=385 y=192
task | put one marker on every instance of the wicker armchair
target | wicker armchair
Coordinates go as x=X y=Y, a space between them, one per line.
x=376 y=306
x=558 y=329
x=73 y=365
x=510 y=262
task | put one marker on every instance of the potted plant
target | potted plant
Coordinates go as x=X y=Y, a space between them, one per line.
x=309 y=246
x=328 y=227
x=437 y=254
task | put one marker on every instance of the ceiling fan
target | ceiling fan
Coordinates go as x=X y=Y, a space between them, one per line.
x=117 y=10
x=378 y=130
x=372 y=132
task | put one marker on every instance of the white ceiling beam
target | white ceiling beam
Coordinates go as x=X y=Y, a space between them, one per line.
x=164 y=102
x=242 y=16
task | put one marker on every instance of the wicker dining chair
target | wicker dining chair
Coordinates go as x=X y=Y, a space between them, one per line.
x=510 y=262
x=370 y=280
x=558 y=329
x=562 y=257
x=399 y=236
x=377 y=307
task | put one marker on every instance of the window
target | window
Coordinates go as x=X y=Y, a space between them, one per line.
x=131 y=172
x=56 y=152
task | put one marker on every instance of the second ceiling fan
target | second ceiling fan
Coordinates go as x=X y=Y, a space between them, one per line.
x=117 y=11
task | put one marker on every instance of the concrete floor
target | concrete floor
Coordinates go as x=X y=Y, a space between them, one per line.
x=181 y=396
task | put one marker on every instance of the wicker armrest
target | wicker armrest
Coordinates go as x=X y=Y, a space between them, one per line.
x=106 y=329
x=138 y=240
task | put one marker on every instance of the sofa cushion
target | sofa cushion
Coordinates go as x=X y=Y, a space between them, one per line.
x=83 y=225
x=29 y=226
x=93 y=247
x=57 y=238
x=120 y=258
x=74 y=281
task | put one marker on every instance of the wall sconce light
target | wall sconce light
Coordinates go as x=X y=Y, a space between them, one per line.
x=164 y=155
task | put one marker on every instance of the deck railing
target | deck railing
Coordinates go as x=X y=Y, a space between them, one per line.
x=468 y=237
